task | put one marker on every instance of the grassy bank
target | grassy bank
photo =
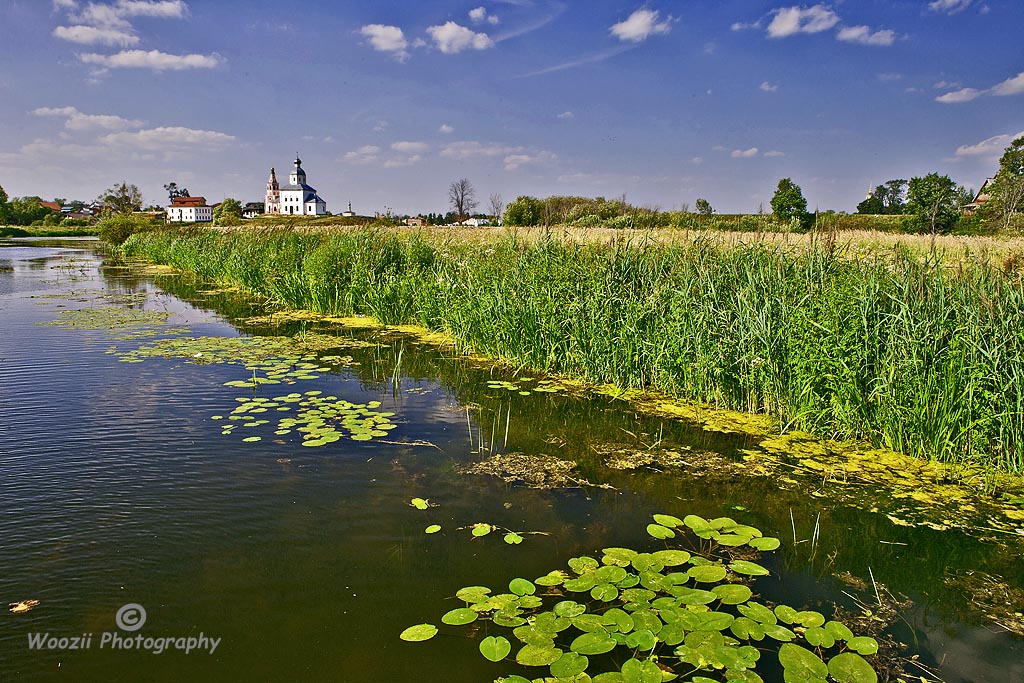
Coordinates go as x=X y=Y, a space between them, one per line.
x=47 y=231
x=898 y=349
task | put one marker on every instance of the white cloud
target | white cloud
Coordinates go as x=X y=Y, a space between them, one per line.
x=744 y=153
x=697 y=161
x=641 y=25
x=743 y=26
x=65 y=4
x=446 y=129
x=152 y=59
x=164 y=137
x=958 y=96
x=789 y=21
x=470 y=149
x=768 y=87
x=949 y=6
x=566 y=115
x=863 y=36
x=991 y=148
x=480 y=15
x=451 y=38
x=410 y=147
x=367 y=154
x=381 y=126
x=388 y=39
x=514 y=161
x=1011 y=86
x=161 y=9
x=774 y=154
x=90 y=35
x=99 y=15
x=76 y=120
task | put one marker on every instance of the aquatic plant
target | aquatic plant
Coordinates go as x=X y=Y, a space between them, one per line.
x=904 y=352
x=647 y=617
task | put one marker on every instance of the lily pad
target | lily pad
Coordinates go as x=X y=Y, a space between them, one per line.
x=418 y=633
x=495 y=648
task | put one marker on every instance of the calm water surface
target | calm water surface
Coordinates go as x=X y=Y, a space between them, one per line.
x=306 y=563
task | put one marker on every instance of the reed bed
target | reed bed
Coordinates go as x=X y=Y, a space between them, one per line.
x=891 y=345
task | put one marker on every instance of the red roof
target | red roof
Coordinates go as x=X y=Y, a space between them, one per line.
x=55 y=206
x=188 y=201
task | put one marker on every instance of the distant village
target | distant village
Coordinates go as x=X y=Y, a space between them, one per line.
x=294 y=198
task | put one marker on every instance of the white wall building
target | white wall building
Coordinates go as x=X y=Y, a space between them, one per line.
x=189 y=210
x=296 y=198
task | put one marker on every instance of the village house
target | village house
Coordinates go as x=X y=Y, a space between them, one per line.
x=294 y=199
x=984 y=194
x=189 y=210
x=253 y=209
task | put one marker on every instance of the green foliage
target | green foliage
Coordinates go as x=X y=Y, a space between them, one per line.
x=887 y=199
x=23 y=210
x=703 y=207
x=525 y=211
x=228 y=212
x=902 y=352
x=789 y=205
x=657 y=620
x=935 y=201
x=121 y=198
x=116 y=228
x=1008 y=188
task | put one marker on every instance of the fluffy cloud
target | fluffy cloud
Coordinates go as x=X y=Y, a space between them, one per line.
x=116 y=15
x=1011 y=86
x=789 y=21
x=164 y=137
x=641 y=25
x=864 y=36
x=152 y=59
x=388 y=39
x=514 y=161
x=744 y=153
x=471 y=149
x=961 y=95
x=367 y=154
x=161 y=9
x=446 y=129
x=451 y=38
x=566 y=115
x=480 y=15
x=949 y=6
x=410 y=147
x=768 y=87
x=991 y=148
x=76 y=120
x=90 y=35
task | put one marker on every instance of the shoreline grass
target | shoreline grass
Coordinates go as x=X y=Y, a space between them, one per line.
x=899 y=346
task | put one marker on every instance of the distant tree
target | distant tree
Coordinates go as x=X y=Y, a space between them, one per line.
x=121 y=198
x=462 y=198
x=703 y=207
x=3 y=206
x=174 y=191
x=936 y=202
x=228 y=212
x=886 y=199
x=497 y=206
x=788 y=202
x=524 y=211
x=1008 y=189
x=26 y=210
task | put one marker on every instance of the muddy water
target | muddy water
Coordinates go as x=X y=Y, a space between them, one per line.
x=120 y=487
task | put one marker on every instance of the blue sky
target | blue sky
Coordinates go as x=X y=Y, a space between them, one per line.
x=388 y=102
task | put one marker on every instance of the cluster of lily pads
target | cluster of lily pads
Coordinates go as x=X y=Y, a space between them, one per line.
x=321 y=419
x=121 y=323
x=639 y=617
x=544 y=386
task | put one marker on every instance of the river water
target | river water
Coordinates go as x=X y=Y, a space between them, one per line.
x=119 y=486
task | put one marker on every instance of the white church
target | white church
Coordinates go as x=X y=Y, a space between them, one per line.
x=294 y=199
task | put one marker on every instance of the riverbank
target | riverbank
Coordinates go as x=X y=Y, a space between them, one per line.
x=48 y=231
x=899 y=350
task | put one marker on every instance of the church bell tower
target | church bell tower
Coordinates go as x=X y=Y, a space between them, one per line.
x=272 y=203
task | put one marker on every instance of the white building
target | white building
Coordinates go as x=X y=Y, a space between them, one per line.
x=296 y=198
x=189 y=210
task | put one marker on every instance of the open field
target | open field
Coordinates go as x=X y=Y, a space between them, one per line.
x=914 y=350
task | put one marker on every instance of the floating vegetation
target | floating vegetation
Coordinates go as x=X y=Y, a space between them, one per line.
x=129 y=323
x=268 y=354
x=22 y=606
x=626 y=457
x=481 y=529
x=535 y=471
x=659 y=616
x=991 y=597
x=320 y=419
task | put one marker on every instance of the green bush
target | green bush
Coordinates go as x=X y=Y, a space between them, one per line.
x=117 y=228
